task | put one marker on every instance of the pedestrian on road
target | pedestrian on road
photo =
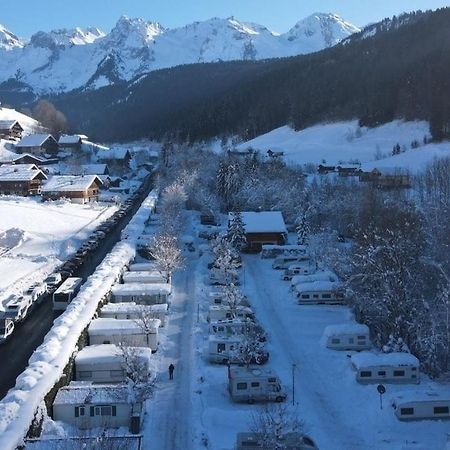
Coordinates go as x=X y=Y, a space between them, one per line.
x=171 y=369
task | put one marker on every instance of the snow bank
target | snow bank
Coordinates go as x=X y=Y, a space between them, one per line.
x=47 y=363
x=368 y=359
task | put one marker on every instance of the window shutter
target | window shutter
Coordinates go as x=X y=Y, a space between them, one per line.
x=91 y=411
x=77 y=411
x=114 y=410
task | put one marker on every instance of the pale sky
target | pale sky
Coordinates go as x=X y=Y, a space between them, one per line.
x=277 y=15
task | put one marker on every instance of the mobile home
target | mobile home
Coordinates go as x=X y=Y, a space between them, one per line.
x=134 y=311
x=247 y=384
x=105 y=363
x=223 y=312
x=421 y=405
x=352 y=336
x=320 y=293
x=66 y=293
x=86 y=406
x=151 y=277
x=16 y=308
x=137 y=333
x=226 y=350
x=386 y=367
x=219 y=298
x=141 y=293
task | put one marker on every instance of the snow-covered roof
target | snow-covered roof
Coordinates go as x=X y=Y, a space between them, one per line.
x=225 y=307
x=79 y=393
x=94 y=169
x=392 y=170
x=142 y=289
x=369 y=359
x=322 y=275
x=118 y=153
x=416 y=395
x=262 y=222
x=69 y=139
x=346 y=328
x=317 y=286
x=20 y=172
x=8 y=124
x=70 y=183
x=107 y=354
x=104 y=326
x=131 y=307
x=68 y=285
x=34 y=140
x=143 y=276
x=139 y=267
x=29 y=155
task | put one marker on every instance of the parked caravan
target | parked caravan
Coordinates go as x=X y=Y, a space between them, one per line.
x=283 y=262
x=16 y=308
x=6 y=328
x=66 y=293
x=141 y=293
x=134 y=311
x=219 y=298
x=223 y=312
x=422 y=405
x=273 y=251
x=105 y=363
x=320 y=275
x=290 y=441
x=217 y=279
x=142 y=267
x=352 y=336
x=250 y=385
x=233 y=327
x=136 y=333
x=226 y=350
x=386 y=367
x=305 y=268
x=320 y=293
x=151 y=277
x=86 y=406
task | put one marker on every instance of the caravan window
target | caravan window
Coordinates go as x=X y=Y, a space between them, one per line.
x=104 y=411
x=84 y=374
x=220 y=348
x=382 y=373
x=351 y=340
x=407 y=411
x=241 y=386
x=315 y=295
x=79 y=411
x=116 y=373
x=326 y=295
x=272 y=380
x=362 y=338
x=305 y=295
x=255 y=384
x=366 y=373
x=335 y=341
x=399 y=373
x=440 y=410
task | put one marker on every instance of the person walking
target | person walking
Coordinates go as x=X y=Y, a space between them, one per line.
x=171 y=369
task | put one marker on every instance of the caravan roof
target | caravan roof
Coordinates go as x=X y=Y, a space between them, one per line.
x=132 y=307
x=107 y=353
x=415 y=395
x=345 y=328
x=368 y=359
x=318 y=286
x=102 y=326
x=141 y=289
x=80 y=392
x=324 y=275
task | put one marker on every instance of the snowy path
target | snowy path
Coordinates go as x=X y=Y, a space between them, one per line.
x=169 y=422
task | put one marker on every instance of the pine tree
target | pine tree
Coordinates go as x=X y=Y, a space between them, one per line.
x=236 y=232
x=302 y=230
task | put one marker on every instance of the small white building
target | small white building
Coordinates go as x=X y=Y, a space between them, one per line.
x=137 y=333
x=347 y=336
x=86 y=406
x=141 y=293
x=105 y=363
x=320 y=293
x=422 y=405
x=386 y=367
x=150 y=277
x=223 y=312
x=134 y=311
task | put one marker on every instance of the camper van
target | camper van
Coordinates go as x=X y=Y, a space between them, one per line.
x=233 y=327
x=320 y=293
x=423 y=405
x=66 y=293
x=305 y=268
x=130 y=332
x=289 y=441
x=141 y=293
x=284 y=262
x=353 y=336
x=134 y=311
x=225 y=350
x=150 y=277
x=6 y=328
x=105 y=363
x=16 y=308
x=250 y=385
x=386 y=367
x=223 y=312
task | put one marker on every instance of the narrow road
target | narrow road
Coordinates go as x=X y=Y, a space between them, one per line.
x=168 y=425
x=15 y=353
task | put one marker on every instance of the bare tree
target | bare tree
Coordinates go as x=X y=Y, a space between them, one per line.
x=46 y=113
x=251 y=349
x=165 y=250
x=233 y=299
x=147 y=321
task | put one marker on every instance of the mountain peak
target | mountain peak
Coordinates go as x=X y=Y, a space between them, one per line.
x=9 y=40
x=136 y=31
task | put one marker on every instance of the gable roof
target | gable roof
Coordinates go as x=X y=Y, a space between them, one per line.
x=9 y=124
x=70 y=139
x=20 y=172
x=35 y=140
x=262 y=222
x=29 y=155
x=114 y=153
x=70 y=183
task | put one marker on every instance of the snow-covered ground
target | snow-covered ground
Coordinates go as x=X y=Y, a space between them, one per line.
x=345 y=142
x=36 y=236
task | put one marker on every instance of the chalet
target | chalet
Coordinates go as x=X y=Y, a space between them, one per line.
x=261 y=228
x=116 y=158
x=27 y=158
x=11 y=130
x=323 y=170
x=348 y=170
x=71 y=142
x=37 y=143
x=95 y=169
x=23 y=179
x=387 y=177
x=79 y=189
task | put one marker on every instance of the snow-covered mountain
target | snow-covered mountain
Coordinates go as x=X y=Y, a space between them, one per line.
x=62 y=60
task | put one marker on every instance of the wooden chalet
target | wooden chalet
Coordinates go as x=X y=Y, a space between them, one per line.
x=349 y=170
x=387 y=177
x=23 y=179
x=27 y=158
x=115 y=158
x=11 y=130
x=77 y=188
x=323 y=170
x=261 y=228
x=37 y=144
x=71 y=142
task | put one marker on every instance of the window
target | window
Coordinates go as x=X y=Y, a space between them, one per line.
x=335 y=341
x=382 y=373
x=104 y=410
x=305 y=295
x=116 y=373
x=399 y=373
x=440 y=410
x=362 y=338
x=272 y=380
x=315 y=295
x=79 y=411
x=407 y=411
x=241 y=386
x=84 y=374
x=255 y=384
x=351 y=340
x=220 y=348
x=107 y=342
x=365 y=373
x=326 y=296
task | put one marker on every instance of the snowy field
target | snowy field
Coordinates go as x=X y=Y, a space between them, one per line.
x=35 y=237
x=344 y=142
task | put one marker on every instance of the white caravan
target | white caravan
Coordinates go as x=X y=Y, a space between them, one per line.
x=386 y=368
x=16 y=308
x=320 y=293
x=144 y=294
x=272 y=251
x=6 y=328
x=134 y=311
x=252 y=385
x=226 y=350
x=305 y=268
x=66 y=293
x=151 y=277
x=234 y=327
x=283 y=262
x=223 y=312
x=351 y=336
x=320 y=275
x=219 y=298
x=422 y=405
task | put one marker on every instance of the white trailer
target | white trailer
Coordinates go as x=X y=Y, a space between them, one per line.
x=386 y=368
x=272 y=251
x=105 y=363
x=226 y=350
x=223 y=312
x=141 y=293
x=134 y=311
x=283 y=262
x=16 y=308
x=136 y=333
x=320 y=293
x=234 y=327
x=422 y=405
x=151 y=277
x=348 y=336
x=219 y=298
x=299 y=268
x=252 y=385
x=142 y=267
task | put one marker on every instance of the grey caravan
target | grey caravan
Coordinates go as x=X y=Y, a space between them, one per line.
x=227 y=350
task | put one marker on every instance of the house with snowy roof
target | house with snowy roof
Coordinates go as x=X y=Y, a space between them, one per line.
x=387 y=177
x=116 y=158
x=38 y=160
x=37 y=143
x=261 y=228
x=71 y=142
x=77 y=188
x=23 y=179
x=10 y=129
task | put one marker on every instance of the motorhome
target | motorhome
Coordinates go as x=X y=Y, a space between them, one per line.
x=250 y=385
x=223 y=312
x=422 y=405
x=284 y=262
x=228 y=350
x=105 y=363
x=289 y=441
x=36 y=291
x=138 y=333
x=151 y=277
x=16 y=308
x=351 y=336
x=134 y=311
x=320 y=293
x=386 y=367
x=304 y=268
x=6 y=328
x=66 y=293
x=141 y=293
